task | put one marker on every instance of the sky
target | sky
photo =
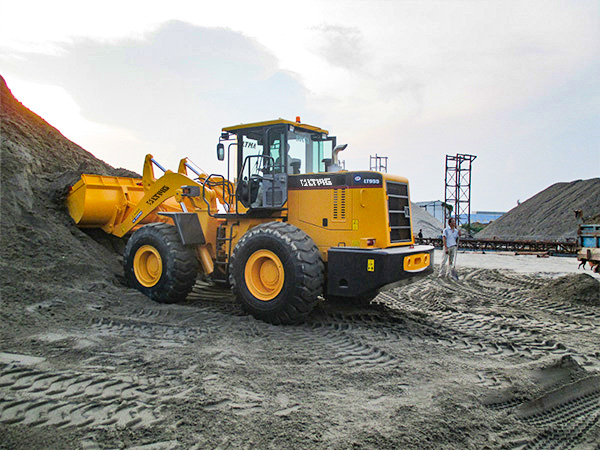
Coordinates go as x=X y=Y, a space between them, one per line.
x=513 y=82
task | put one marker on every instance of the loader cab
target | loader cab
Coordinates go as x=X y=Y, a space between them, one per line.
x=267 y=154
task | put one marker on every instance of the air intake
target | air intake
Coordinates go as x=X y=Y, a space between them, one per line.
x=339 y=204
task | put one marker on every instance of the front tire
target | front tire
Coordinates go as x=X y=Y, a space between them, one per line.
x=276 y=272
x=157 y=264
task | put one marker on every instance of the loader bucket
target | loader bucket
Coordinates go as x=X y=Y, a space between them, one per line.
x=98 y=201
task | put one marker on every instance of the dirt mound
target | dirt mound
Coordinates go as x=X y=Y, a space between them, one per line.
x=422 y=220
x=580 y=288
x=43 y=255
x=548 y=215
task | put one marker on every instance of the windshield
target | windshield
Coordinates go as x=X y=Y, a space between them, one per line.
x=282 y=149
x=307 y=152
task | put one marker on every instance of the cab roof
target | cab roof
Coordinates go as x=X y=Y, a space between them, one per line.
x=275 y=122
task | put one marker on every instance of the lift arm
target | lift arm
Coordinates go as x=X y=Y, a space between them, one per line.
x=161 y=190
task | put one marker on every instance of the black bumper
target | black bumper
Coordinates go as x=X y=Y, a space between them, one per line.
x=355 y=272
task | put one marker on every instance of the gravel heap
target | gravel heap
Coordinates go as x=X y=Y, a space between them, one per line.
x=548 y=215
x=422 y=220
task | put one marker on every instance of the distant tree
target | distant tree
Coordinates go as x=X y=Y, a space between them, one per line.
x=475 y=228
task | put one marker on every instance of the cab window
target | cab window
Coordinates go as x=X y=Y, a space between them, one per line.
x=322 y=150
x=276 y=139
x=307 y=151
x=299 y=152
x=252 y=144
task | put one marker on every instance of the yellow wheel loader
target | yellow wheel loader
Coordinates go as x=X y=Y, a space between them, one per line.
x=291 y=229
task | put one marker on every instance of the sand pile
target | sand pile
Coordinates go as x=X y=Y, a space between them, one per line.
x=548 y=215
x=43 y=255
x=422 y=220
x=580 y=288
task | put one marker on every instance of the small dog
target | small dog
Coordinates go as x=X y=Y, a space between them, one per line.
x=594 y=266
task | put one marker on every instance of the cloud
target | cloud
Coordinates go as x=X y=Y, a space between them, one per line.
x=516 y=85
x=178 y=86
x=342 y=46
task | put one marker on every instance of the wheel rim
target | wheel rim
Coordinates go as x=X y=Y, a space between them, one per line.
x=147 y=265
x=264 y=275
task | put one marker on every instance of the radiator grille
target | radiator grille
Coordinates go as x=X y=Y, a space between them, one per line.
x=339 y=204
x=399 y=211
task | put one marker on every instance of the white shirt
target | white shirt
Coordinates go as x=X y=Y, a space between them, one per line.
x=451 y=236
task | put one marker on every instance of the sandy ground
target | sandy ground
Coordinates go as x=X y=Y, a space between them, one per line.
x=552 y=266
x=489 y=361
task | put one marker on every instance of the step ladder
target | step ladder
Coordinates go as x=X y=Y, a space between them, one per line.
x=223 y=252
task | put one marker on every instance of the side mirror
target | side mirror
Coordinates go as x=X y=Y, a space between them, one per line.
x=220 y=152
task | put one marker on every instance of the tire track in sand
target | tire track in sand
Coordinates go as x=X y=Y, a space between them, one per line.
x=34 y=397
x=516 y=298
x=330 y=346
x=568 y=417
x=488 y=331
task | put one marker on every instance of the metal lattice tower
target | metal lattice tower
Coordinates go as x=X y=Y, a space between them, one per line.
x=458 y=187
x=378 y=163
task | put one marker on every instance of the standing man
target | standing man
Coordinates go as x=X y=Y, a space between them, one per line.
x=450 y=238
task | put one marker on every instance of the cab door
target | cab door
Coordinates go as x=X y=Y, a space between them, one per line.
x=262 y=180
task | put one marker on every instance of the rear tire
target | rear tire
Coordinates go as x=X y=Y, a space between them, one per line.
x=157 y=264
x=276 y=273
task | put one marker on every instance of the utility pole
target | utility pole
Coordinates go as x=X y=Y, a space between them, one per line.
x=458 y=188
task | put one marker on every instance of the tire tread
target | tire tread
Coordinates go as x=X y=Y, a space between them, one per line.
x=309 y=273
x=182 y=268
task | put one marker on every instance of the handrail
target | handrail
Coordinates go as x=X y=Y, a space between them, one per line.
x=222 y=186
x=225 y=186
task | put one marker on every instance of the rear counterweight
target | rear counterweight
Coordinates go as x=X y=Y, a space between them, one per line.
x=354 y=272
